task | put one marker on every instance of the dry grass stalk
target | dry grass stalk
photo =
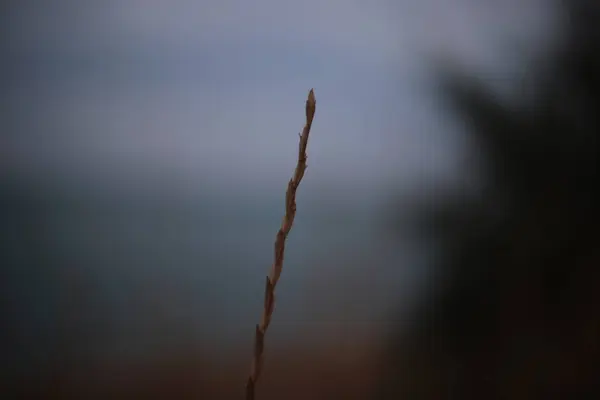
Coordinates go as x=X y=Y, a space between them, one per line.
x=286 y=226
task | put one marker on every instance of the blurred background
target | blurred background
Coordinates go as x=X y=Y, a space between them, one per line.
x=145 y=151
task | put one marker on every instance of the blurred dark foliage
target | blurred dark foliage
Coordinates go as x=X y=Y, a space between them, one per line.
x=513 y=309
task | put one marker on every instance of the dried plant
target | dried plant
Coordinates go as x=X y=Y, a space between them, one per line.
x=286 y=226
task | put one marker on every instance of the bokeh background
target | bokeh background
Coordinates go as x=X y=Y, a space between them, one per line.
x=145 y=150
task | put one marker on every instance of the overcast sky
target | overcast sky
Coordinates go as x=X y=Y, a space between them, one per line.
x=114 y=91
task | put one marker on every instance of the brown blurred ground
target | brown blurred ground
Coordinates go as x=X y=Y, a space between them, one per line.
x=332 y=369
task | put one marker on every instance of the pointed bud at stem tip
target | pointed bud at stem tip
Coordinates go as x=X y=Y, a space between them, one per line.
x=311 y=105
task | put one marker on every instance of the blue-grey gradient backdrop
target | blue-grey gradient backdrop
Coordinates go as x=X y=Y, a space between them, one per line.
x=146 y=145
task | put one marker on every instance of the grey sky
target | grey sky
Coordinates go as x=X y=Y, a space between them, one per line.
x=215 y=89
